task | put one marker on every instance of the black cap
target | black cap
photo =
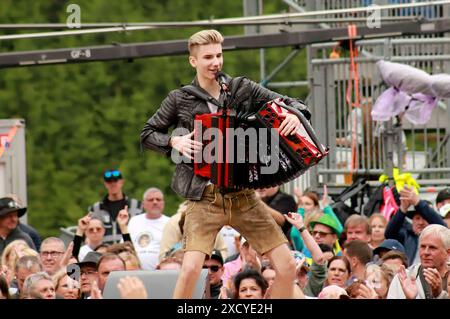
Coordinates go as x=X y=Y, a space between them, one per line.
x=91 y=258
x=443 y=195
x=411 y=213
x=216 y=255
x=8 y=205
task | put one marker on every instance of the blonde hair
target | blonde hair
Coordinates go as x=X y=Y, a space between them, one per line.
x=131 y=259
x=204 y=37
x=380 y=217
x=59 y=275
x=56 y=278
x=356 y=220
x=9 y=256
x=169 y=260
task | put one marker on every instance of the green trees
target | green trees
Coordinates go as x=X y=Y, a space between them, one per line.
x=84 y=118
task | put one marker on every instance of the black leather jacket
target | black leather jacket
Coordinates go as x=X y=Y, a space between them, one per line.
x=179 y=109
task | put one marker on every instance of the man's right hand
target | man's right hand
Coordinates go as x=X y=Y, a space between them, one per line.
x=186 y=145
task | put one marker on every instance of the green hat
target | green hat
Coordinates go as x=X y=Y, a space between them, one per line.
x=329 y=221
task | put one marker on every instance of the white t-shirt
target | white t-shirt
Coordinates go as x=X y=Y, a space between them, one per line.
x=146 y=236
x=84 y=250
x=228 y=233
x=416 y=260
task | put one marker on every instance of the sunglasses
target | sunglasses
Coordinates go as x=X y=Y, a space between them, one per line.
x=112 y=174
x=214 y=268
x=96 y=229
x=320 y=233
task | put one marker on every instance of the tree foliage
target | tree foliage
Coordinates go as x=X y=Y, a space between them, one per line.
x=84 y=118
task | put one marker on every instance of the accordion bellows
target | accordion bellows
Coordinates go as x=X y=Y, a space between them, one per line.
x=250 y=152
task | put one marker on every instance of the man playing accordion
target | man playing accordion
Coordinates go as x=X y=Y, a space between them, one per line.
x=210 y=208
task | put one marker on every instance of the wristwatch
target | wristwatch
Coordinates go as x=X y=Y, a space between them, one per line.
x=301 y=229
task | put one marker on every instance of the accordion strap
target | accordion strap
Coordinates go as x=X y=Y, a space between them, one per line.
x=197 y=92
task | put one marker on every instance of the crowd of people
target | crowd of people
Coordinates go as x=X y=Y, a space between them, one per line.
x=363 y=257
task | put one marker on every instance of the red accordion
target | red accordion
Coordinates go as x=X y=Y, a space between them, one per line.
x=251 y=153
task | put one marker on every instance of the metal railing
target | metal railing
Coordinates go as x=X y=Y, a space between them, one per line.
x=423 y=150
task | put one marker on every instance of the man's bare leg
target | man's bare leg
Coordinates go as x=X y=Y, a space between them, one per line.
x=190 y=271
x=284 y=265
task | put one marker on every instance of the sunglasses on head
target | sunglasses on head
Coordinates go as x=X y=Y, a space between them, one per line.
x=214 y=268
x=112 y=174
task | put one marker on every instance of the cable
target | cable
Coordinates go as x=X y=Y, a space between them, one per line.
x=225 y=21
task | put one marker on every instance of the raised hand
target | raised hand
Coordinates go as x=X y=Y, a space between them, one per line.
x=409 y=195
x=95 y=291
x=66 y=256
x=413 y=197
x=83 y=224
x=325 y=200
x=404 y=200
x=122 y=219
x=132 y=288
x=251 y=259
x=295 y=219
x=408 y=284
x=186 y=145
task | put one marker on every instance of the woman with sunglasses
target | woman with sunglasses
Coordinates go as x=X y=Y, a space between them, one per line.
x=94 y=230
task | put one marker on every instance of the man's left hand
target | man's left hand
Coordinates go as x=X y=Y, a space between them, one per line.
x=290 y=125
x=434 y=279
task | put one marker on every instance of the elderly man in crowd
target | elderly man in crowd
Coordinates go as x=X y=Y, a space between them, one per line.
x=427 y=279
x=52 y=251
x=26 y=266
x=146 y=229
x=39 y=286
